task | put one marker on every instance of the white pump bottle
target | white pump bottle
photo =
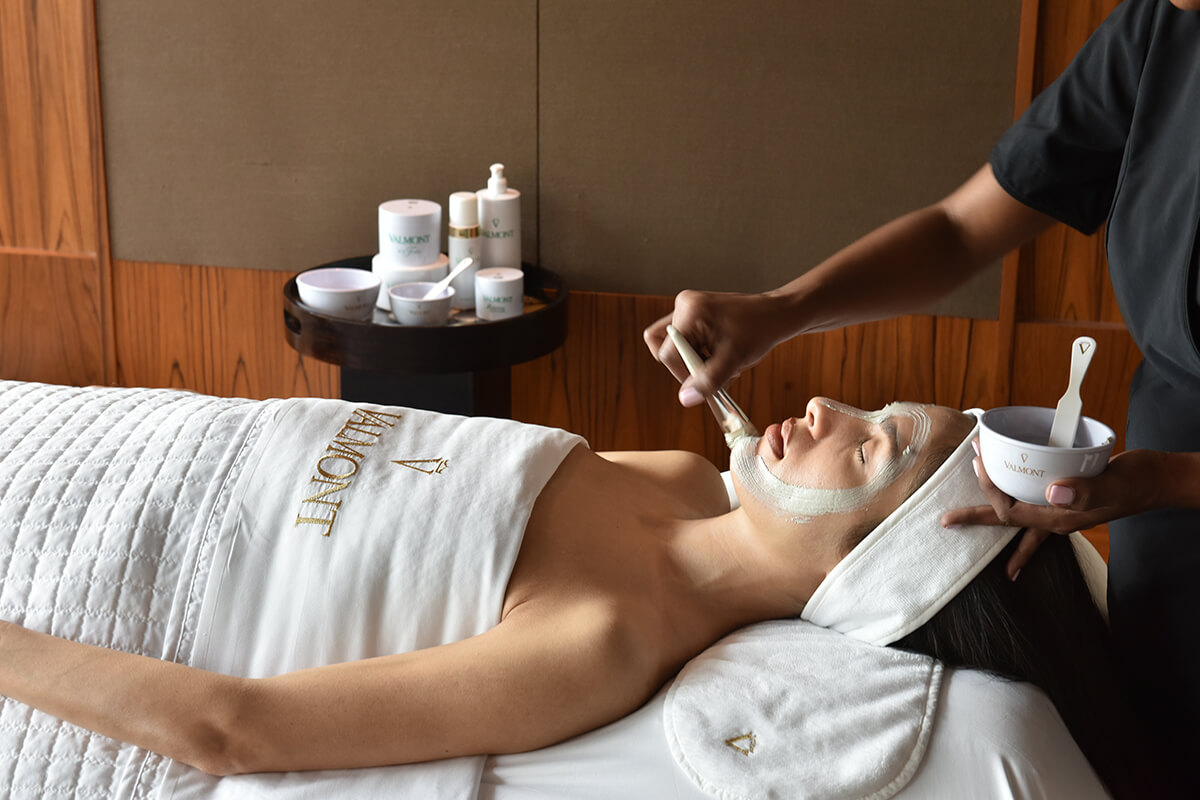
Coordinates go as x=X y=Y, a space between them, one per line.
x=500 y=222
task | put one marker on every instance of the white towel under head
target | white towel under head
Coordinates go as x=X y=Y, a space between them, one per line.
x=909 y=567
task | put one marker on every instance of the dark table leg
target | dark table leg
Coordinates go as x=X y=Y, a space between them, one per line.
x=487 y=393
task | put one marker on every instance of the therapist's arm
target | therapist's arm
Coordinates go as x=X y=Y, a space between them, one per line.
x=1133 y=482
x=899 y=268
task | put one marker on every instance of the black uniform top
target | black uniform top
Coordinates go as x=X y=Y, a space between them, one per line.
x=1117 y=137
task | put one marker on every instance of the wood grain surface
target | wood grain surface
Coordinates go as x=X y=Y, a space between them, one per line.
x=49 y=150
x=50 y=319
x=212 y=330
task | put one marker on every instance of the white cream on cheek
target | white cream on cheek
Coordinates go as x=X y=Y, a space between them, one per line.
x=803 y=503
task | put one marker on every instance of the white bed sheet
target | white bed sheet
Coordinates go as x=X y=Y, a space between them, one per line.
x=992 y=740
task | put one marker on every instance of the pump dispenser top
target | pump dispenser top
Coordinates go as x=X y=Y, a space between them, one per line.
x=500 y=221
x=497 y=184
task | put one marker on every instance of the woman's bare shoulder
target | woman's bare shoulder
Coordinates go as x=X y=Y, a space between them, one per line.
x=680 y=472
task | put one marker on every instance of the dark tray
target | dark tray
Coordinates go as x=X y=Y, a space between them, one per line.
x=465 y=345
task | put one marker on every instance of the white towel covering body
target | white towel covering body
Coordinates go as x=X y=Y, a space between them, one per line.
x=361 y=531
x=254 y=539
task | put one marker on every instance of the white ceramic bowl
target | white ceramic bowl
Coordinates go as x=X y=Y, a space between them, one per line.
x=391 y=274
x=410 y=309
x=339 y=291
x=1012 y=443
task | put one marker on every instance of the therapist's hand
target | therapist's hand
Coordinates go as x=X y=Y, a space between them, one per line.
x=732 y=330
x=1129 y=484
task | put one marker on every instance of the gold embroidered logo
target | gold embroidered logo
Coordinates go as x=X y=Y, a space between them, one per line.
x=338 y=465
x=430 y=466
x=744 y=744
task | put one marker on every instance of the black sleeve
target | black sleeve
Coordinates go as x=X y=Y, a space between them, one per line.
x=1063 y=156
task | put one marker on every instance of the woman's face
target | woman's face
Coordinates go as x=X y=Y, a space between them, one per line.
x=840 y=462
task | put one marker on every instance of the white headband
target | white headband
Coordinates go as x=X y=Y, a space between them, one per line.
x=909 y=567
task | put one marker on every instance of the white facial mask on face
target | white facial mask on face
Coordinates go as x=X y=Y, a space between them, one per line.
x=803 y=503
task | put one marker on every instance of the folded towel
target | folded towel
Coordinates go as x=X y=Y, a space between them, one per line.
x=786 y=709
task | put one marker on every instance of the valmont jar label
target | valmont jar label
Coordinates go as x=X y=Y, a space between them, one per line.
x=499 y=293
x=410 y=232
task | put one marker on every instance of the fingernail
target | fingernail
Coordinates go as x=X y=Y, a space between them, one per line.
x=951 y=526
x=1061 y=495
x=975 y=446
x=689 y=397
x=1015 y=575
x=975 y=466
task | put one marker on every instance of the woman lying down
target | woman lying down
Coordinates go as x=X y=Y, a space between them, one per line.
x=335 y=586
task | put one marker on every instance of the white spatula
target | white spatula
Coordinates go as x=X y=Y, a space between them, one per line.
x=1066 y=415
x=441 y=285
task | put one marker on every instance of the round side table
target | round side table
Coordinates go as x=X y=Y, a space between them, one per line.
x=460 y=368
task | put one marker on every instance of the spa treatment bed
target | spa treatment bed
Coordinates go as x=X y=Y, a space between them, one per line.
x=256 y=538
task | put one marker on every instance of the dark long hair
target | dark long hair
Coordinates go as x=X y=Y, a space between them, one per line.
x=1044 y=628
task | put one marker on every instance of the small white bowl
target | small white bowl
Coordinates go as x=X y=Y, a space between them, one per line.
x=342 y=292
x=391 y=274
x=1012 y=443
x=410 y=309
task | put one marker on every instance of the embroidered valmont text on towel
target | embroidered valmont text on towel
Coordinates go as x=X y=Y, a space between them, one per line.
x=338 y=464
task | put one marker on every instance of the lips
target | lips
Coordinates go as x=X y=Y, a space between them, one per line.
x=774 y=438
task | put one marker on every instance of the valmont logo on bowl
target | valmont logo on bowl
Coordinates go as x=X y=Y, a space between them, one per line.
x=1012 y=444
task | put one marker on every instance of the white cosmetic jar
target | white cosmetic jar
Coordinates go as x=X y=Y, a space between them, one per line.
x=1012 y=444
x=342 y=292
x=499 y=293
x=410 y=232
x=410 y=309
x=392 y=275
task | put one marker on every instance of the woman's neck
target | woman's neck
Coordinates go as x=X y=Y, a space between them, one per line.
x=726 y=573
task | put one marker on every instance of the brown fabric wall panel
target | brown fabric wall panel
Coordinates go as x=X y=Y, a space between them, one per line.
x=735 y=145
x=48 y=160
x=211 y=330
x=266 y=134
x=51 y=319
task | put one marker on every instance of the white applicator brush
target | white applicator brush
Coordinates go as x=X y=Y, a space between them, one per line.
x=730 y=417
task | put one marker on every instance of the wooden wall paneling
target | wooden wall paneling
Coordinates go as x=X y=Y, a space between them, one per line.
x=50 y=319
x=963 y=363
x=1067 y=279
x=48 y=146
x=209 y=329
x=53 y=248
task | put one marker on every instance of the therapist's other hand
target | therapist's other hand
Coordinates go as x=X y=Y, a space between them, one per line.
x=1128 y=485
x=733 y=331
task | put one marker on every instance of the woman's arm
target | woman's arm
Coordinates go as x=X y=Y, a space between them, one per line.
x=534 y=680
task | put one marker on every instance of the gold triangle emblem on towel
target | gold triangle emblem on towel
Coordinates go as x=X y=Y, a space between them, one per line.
x=744 y=744
x=430 y=466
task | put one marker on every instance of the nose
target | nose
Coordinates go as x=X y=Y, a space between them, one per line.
x=818 y=417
